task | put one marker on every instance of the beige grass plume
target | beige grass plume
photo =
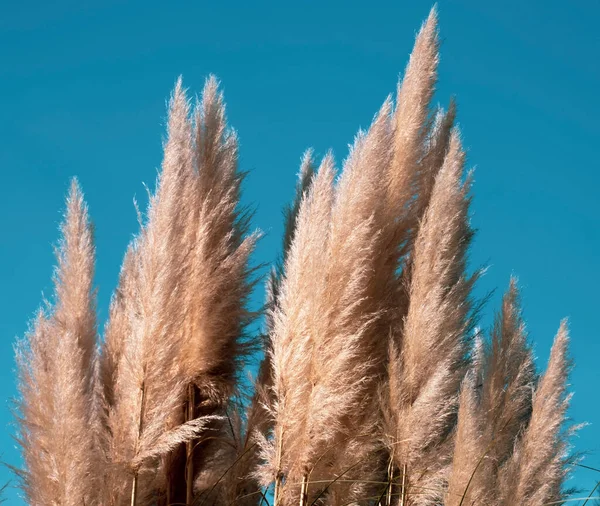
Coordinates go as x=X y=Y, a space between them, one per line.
x=293 y=316
x=148 y=387
x=416 y=154
x=263 y=381
x=371 y=391
x=305 y=177
x=537 y=469
x=232 y=475
x=217 y=283
x=427 y=369
x=402 y=152
x=348 y=352
x=178 y=317
x=469 y=450
x=509 y=375
x=241 y=482
x=56 y=364
x=491 y=420
x=410 y=124
x=118 y=327
x=333 y=340
x=217 y=280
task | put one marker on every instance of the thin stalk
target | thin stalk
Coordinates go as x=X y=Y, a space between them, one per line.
x=134 y=485
x=304 y=491
x=134 y=489
x=403 y=485
x=224 y=473
x=278 y=476
x=322 y=492
x=388 y=500
x=591 y=494
x=276 y=492
x=189 y=449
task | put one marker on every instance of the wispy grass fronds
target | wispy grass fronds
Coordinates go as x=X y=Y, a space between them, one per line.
x=502 y=409
x=435 y=148
x=505 y=405
x=469 y=449
x=496 y=418
x=305 y=177
x=293 y=318
x=509 y=375
x=375 y=388
x=427 y=369
x=56 y=374
x=259 y=415
x=217 y=280
x=408 y=165
x=539 y=465
x=117 y=328
x=349 y=352
x=146 y=334
x=411 y=115
x=217 y=275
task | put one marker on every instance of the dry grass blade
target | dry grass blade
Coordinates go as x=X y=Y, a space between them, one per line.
x=591 y=493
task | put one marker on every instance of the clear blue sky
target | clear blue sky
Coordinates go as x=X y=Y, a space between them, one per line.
x=83 y=90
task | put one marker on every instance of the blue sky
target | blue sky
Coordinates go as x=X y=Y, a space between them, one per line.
x=83 y=89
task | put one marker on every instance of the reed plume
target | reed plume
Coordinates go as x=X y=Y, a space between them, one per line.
x=145 y=332
x=292 y=342
x=347 y=353
x=217 y=280
x=375 y=389
x=249 y=438
x=261 y=399
x=56 y=376
x=495 y=414
x=401 y=153
x=469 y=450
x=217 y=283
x=427 y=368
x=536 y=470
x=420 y=145
x=407 y=172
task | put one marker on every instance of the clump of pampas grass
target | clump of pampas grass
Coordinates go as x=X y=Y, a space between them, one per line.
x=375 y=388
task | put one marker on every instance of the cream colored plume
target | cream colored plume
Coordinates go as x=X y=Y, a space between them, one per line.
x=217 y=274
x=56 y=373
x=537 y=469
x=143 y=338
x=427 y=368
x=292 y=341
x=506 y=378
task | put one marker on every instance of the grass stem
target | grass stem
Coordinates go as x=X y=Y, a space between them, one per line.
x=134 y=484
x=304 y=491
x=189 y=449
